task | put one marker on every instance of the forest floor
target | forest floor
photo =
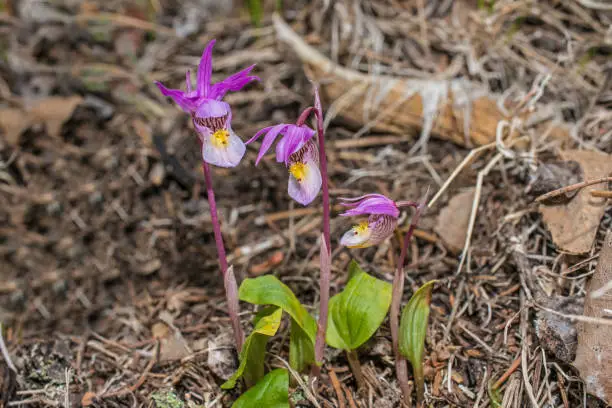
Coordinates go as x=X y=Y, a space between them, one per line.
x=110 y=293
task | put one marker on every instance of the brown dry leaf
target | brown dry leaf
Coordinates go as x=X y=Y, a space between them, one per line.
x=594 y=352
x=160 y=330
x=88 y=399
x=453 y=220
x=573 y=225
x=54 y=111
x=13 y=122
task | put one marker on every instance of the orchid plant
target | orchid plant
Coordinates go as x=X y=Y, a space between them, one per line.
x=383 y=214
x=307 y=165
x=354 y=314
x=212 y=119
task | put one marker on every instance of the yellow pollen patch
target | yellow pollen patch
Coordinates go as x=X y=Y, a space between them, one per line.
x=298 y=170
x=361 y=228
x=220 y=138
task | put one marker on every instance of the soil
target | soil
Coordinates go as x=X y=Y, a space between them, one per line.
x=110 y=290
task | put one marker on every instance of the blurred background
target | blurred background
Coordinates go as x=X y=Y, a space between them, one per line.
x=106 y=254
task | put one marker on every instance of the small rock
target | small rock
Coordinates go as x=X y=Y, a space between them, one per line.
x=221 y=359
x=557 y=335
x=157 y=174
x=174 y=347
x=553 y=176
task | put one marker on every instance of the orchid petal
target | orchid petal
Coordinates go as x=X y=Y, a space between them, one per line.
x=188 y=81
x=205 y=70
x=306 y=190
x=268 y=141
x=379 y=228
x=352 y=200
x=258 y=134
x=353 y=239
x=228 y=156
x=371 y=204
x=209 y=108
x=234 y=82
x=382 y=227
x=183 y=100
x=295 y=138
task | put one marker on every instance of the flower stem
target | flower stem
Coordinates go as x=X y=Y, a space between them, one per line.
x=353 y=360
x=401 y=367
x=324 y=280
x=323 y=163
x=229 y=280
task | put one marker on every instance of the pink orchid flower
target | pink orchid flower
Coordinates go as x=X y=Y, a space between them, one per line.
x=299 y=152
x=211 y=116
x=383 y=214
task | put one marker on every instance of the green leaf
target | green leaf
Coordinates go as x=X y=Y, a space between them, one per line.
x=268 y=290
x=353 y=270
x=256 y=11
x=271 y=392
x=253 y=352
x=301 y=348
x=356 y=313
x=494 y=395
x=412 y=332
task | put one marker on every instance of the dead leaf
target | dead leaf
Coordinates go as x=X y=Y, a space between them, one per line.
x=88 y=399
x=275 y=259
x=594 y=352
x=160 y=330
x=573 y=225
x=54 y=112
x=13 y=122
x=453 y=220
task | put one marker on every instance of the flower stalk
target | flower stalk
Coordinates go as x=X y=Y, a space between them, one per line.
x=229 y=280
x=401 y=366
x=325 y=273
x=220 y=146
x=353 y=360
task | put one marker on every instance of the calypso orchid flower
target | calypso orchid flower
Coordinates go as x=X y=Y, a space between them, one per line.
x=299 y=152
x=211 y=116
x=383 y=214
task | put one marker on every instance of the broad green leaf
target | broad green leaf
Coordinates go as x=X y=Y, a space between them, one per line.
x=412 y=332
x=301 y=348
x=253 y=352
x=272 y=391
x=356 y=313
x=268 y=290
x=353 y=269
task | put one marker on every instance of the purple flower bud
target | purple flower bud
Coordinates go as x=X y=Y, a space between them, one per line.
x=298 y=151
x=383 y=217
x=211 y=116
